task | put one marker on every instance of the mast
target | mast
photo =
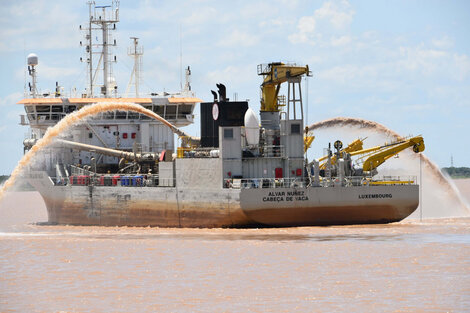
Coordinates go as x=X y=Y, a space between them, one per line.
x=102 y=20
x=136 y=52
x=90 y=52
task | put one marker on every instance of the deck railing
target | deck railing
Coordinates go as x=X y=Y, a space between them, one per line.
x=298 y=182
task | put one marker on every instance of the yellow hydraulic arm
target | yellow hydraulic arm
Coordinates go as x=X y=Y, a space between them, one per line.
x=308 y=139
x=356 y=145
x=274 y=75
x=373 y=157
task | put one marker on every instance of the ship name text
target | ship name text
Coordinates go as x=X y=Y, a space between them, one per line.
x=285 y=196
x=376 y=196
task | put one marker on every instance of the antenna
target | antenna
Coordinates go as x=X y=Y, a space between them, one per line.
x=32 y=62
x=306 y=100
x=181 y=58
x=24 y=71
x=187 y=85
x=136 y=52
x=451 y=160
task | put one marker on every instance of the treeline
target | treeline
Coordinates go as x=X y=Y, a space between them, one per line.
x=20 y=185
x=3 y=178
x=457 y=172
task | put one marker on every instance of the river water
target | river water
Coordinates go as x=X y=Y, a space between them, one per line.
x=410 y=266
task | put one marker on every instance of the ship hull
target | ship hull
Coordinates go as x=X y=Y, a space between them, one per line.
x=274 y=207
x=330 y=206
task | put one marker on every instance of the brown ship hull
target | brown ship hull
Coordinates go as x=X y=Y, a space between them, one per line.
x=274 y=207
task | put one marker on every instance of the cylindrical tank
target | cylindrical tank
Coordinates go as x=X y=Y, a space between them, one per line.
x=32 y=59
x=251 y=127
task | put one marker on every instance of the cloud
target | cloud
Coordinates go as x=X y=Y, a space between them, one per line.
x=434 y=63
x=416 y=108
x=39 y=25
x=56 y=72
x=338 y=13
x=11 y=99
x=14 y=115
x=332 y=17
x=230 y=74
x=306 y=27
x=340 y=41
x=201 y=16
x=444 y=42
x=462 y=66
x=238 y=38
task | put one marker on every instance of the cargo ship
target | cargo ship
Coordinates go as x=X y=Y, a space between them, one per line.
x=121 y=168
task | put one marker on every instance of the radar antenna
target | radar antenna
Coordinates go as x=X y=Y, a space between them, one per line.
x=32 y=62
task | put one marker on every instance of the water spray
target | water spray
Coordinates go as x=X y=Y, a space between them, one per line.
x=76 y=117
x=374 y=126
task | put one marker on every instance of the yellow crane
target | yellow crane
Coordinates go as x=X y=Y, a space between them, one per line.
x=356 y=145
x=372 y=158
x=274 y=75
x=308 y=139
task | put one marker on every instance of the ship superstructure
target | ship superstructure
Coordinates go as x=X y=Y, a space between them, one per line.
x=125 y=168
x=120 y=130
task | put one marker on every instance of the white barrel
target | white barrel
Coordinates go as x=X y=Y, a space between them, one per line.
x=251 y=127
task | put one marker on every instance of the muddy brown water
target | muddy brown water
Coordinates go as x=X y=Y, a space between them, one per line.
x=410 y=266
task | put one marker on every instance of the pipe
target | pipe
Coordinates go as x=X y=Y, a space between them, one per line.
x=107 y=151
x=28 y=143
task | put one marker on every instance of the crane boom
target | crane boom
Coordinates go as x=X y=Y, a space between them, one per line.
x=371 y=158
x=274 y=75
x=374 y=158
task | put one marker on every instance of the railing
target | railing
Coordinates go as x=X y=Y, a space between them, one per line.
x=263 y=69
x=393 y=180
x=183 y=152
x=349 y=181
x=84 y=177
x=274 y=151
x=265 y=183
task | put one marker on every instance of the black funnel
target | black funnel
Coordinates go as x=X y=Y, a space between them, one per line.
x=215 y=95
x=222 y=92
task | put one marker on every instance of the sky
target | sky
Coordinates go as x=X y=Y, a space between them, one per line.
x=404 y=64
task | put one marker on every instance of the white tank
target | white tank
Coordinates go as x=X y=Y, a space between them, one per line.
x=32 y=59
x=251 y=127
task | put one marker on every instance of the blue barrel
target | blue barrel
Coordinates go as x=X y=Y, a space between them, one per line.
x=137 y=180
x=125 y=181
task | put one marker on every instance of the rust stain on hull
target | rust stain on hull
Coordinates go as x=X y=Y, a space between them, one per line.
x=108 y=206
x=199 y=215
x=144 y=213
x=323 y=216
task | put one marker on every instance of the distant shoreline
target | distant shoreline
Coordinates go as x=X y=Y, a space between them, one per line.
x=457 y=172
x=19 y=186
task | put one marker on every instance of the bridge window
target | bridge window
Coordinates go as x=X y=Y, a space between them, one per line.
x=295 y=129
x=228 y=133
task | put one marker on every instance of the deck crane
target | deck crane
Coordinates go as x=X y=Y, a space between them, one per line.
x=275 y=74
x=371 y=158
